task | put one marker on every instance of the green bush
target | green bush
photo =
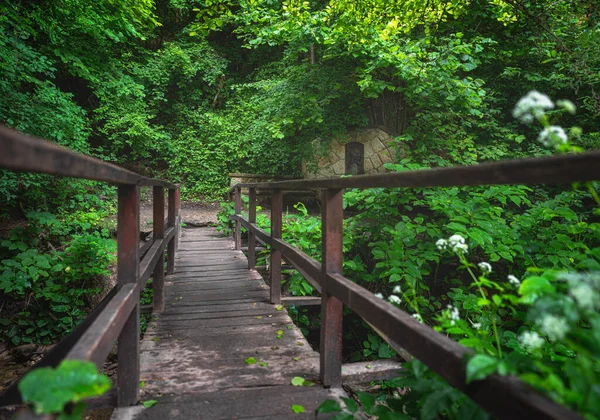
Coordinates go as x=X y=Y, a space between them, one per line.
x=47 y=293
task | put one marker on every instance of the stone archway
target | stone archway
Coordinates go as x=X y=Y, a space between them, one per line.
x=373 y=145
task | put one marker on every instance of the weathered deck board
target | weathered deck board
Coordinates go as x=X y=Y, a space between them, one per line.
x=217 y=314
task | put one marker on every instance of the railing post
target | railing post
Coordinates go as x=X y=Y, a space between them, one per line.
x=238 y=226
x=251 y=236
x=331 y=307
x=173 y=221
x=177 y=216
x=158 y=226
x=276 y=214
x=128 y=353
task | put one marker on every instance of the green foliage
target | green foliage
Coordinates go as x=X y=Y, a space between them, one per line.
x=49 y=290
x=432 y=396
x=373 y=406
x=149 y=403
x=49 y=390
x=297 y=409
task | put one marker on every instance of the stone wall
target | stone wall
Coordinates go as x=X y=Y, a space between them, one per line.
x=378 y=151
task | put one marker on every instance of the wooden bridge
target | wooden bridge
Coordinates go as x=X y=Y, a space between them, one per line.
x=221 y=344
x=220 y=349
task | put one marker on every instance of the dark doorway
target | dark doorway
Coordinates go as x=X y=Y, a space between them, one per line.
x=355 y=158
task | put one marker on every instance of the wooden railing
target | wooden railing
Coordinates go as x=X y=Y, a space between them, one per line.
x=502 y=396
x=117 y=317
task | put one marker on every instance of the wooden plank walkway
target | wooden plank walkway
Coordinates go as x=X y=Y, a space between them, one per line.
x=217 y=314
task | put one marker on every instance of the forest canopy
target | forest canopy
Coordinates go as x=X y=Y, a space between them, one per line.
x=144 y=83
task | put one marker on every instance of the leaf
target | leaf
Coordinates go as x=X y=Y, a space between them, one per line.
x=149 y=403
x=367 y=400
x=48 y=389
x=385 y=351
x=533 y=287
x=297 y=409
x=279 y=307
x=263 y=364
x=250 y=361
x=480 y=367
x=297 y=381
x=351 y=405
x=435 y=403
x=142 y=384
x=329 y=406
x=478 y=236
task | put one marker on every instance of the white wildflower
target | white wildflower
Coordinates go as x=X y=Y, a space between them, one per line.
x=532 y=105
x=460 y=248
x=457 y=242
x=456 y=239
x=441 y=244
x=531 y=340
x=555 y=327
x=485 y=267
x=583 y=295
x=397 y=289
x=379 y=295
x=453 y=314
x=566 y=105
x=418 y=317
x=477 y=325
x=553 y=136
x=513 y=280
x=394 y=299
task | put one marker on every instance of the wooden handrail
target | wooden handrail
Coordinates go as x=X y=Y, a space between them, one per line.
x=543 y=170
x=98 y=340
x=502 y=396
x=19 y=152
x=117 y=316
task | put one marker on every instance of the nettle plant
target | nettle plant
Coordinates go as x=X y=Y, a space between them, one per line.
x=539 y=324
x=545 y=329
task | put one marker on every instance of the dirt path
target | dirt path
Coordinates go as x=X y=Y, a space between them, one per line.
x=192 y=213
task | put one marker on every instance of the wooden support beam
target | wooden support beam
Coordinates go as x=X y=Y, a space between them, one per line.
x=276 y=224
x=366 y=372
x=301 y=300
x=158 y=229
x=256 y=248
x=146 y=309
x=128 y=353
x=172 y=222
x=237 y=234
x=177 y=216
x=331 y=306
x=251 y=235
